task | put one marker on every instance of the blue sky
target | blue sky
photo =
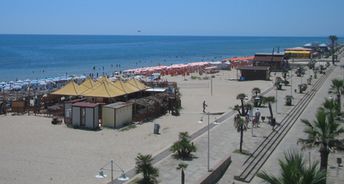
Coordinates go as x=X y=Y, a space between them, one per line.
x=173 y=17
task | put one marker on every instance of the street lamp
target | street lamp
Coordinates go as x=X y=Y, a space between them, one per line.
x=101 y=174
x=291 y=83
x=208 y=155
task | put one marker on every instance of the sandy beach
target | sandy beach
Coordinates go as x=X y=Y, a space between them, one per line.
x=35 y=151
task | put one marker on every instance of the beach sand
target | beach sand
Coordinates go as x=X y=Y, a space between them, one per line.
x=35 y=151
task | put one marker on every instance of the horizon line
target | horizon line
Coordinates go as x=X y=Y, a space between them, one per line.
x=167 y=35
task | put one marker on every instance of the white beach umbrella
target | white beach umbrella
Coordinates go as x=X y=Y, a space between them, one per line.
x=34 y=82
x=42 y=83
x=17 y=87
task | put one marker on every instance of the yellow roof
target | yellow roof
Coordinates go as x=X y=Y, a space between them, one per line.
x=86 y=85
x=127 y=87
x=103 y=79
x=70 y=89
x=297 y=52
x=138 y=84
x=119 y=84
x=106 y=89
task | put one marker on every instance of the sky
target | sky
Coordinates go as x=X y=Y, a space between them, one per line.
x=173 y=17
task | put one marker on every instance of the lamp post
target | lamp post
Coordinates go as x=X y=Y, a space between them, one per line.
x=291 y=83
x=211 y=85
x=276 y=100
x=101 y=174
x=208 y=153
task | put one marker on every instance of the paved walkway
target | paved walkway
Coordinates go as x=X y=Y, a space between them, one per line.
x=224 y=139
x=290 y=142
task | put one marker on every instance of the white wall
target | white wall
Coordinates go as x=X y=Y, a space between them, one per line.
x=108 y=117
x=124 y=115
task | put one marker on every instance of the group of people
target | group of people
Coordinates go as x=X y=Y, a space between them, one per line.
x=255 y=118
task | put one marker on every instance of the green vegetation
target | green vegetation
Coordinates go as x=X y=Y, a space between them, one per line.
x=145 y=167
x=323 y=133
x=244 y=108
x=295 y=170
x=257 y=99
x=268 y=99
x=337 y=87
x=183 y=147
x=288 y=100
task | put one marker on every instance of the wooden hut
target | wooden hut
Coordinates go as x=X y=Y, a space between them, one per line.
x=85 y=115
x=254 y=73
x=118 y=114
x=275 y=61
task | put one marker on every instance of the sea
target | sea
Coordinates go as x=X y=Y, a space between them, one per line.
x=42 y=56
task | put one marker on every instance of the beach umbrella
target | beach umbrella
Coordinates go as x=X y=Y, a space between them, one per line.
x=82 y=77
x=17 y=87
x=34 y=82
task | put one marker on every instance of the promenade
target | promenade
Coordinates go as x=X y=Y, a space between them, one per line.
x=224 y=139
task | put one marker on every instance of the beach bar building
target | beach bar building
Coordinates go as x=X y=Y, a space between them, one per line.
x=117 y=115
x=274 y=60
x=298 y=53
x=254 y=73
x=85 y=115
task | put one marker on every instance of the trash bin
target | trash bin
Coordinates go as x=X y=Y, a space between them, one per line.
x=156 y=128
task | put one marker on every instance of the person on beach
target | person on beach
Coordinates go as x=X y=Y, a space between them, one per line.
x=204 y=106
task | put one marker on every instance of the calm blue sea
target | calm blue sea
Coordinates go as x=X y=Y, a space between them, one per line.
x=40 y=56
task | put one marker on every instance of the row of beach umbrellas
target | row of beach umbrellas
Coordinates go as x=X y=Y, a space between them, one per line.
x=22 y=84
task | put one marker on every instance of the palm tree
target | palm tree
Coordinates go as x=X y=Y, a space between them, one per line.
x=337 y=86
x=294 y=170
x=241 y=126
x=288 y=100
x=183 y=147
x=331 y=108
x=333 y=39
x=182 y=167
x=255 y=91
x=244 y=108
x=268 y=99
x=257 y=99
x=323 y=133
x=144 y=166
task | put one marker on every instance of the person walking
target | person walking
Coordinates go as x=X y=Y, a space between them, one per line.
x=204 y=106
